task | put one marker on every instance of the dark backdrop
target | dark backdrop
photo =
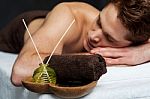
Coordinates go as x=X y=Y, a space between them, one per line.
x=11 y=8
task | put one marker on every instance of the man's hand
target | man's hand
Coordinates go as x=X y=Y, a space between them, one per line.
x=124 y=56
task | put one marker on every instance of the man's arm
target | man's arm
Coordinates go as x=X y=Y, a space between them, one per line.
x=125 y=56
x=45 y=38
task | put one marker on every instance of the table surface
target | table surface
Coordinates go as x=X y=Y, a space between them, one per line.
x=117 y=83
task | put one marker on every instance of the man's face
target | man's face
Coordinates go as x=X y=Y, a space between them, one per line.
x=107 y=31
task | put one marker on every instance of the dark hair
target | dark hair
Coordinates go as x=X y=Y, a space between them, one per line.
x=135 y=16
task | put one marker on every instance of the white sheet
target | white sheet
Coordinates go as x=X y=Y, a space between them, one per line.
x=117 y=83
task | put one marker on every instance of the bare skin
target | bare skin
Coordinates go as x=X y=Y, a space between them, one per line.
x=92 y=29
x=127 y=56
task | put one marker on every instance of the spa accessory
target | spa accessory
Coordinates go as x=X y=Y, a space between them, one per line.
x=45 y=74
x=76 y=74
x=32 y=40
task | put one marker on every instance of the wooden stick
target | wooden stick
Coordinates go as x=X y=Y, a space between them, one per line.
x=32 y=40
x=60 y=41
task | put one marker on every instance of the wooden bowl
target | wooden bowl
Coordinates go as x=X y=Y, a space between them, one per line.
x=63 y=90
x=36 y=87
x=72 y=91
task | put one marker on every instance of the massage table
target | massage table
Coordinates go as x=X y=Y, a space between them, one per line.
x=118 y=83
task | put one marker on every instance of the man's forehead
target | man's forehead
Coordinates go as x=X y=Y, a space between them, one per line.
x=112 y=26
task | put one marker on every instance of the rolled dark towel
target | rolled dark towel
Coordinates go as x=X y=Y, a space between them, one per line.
x=77 y=67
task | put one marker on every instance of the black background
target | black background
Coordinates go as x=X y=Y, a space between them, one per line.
x=11 y=8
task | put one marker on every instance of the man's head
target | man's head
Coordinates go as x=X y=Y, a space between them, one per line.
x=135 y=16
x=121 y=23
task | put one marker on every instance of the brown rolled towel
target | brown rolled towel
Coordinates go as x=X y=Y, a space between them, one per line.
x=77 y=67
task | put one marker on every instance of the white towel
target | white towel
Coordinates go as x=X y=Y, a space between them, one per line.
x=117 y=83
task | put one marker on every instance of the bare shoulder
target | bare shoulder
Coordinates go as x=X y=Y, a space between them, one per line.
x=82 y=8
x=80 y=5
x=78 y=9
x=83 y=11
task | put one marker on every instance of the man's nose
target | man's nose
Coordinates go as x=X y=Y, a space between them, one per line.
x=95 y=39
x=96 y=36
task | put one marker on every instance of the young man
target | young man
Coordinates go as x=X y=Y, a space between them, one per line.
x=109 y=33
